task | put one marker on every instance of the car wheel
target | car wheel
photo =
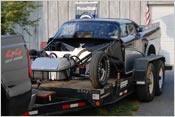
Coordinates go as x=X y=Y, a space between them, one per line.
x=146 y=92
x=99 y=69
x=160 y=74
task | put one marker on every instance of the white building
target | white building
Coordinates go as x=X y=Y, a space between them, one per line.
x=54 y=13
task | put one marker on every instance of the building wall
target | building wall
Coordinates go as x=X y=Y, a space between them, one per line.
x=164 y=14
x=54 y=13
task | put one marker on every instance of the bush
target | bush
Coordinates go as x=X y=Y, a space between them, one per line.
x=17 y=13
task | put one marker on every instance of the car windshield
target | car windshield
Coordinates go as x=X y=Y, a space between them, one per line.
x=88 y=29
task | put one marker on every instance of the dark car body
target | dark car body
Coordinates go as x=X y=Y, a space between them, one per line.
x=92 y=32
x=131 y=34
x=122 y=40
x=15 y=79
x=96 y=62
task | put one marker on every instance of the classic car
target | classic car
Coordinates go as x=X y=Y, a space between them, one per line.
x=97 y=49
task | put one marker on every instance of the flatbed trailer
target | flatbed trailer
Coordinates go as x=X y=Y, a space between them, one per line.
x=78 y=94
x=111 y=66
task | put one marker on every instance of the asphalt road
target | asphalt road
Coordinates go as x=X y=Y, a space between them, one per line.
x=161 y=105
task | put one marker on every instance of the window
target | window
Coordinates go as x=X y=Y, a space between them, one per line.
x=131 y=29
x=124 y=31
x=88 y=29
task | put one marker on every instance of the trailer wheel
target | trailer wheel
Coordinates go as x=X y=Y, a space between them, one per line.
x=146 y=92
x=99 y=69
x=160 y=68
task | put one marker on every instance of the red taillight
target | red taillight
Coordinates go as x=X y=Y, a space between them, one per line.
x=25 y=114
x=82 y=104
x=67 y=106
x=29 y=64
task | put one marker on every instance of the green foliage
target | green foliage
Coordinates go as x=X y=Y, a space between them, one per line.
x=17 y=13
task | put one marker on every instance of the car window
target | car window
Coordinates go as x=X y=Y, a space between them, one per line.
x=124 y=31
x=131 y=29
x=88 y=29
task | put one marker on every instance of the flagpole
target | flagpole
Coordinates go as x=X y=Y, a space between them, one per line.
x=148 y=15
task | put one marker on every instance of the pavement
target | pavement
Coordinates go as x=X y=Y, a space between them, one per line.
x=162 y=105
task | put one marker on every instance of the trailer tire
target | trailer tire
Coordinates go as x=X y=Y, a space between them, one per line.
x=146 y=92
x=160 y=74
x=99 y=69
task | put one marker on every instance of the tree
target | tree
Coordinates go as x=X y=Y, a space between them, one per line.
x=17 y=13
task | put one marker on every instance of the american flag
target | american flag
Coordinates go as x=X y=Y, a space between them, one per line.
x=148 y=16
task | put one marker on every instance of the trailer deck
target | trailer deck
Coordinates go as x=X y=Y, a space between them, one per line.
x=78 y=94
x=72 y=84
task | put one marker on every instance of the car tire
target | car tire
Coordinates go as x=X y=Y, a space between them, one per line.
x=146 y=92
x=99 y=69
x=160 y=74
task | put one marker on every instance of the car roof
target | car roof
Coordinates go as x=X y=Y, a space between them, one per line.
x=117 y=20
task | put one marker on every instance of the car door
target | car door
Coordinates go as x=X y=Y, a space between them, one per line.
x=132 y=45
x=130 y=37
x=133 y=33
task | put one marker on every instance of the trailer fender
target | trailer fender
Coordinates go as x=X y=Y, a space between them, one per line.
x=140 y=67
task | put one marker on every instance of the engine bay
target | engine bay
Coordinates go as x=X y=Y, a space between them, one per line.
x=71 y=57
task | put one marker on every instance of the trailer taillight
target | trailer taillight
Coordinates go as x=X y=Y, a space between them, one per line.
x=79 y=104
x=26 y=114
x=82 y=104
x=97 y=103
x=35 y=112
x=67 y=106
x=29 y=64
